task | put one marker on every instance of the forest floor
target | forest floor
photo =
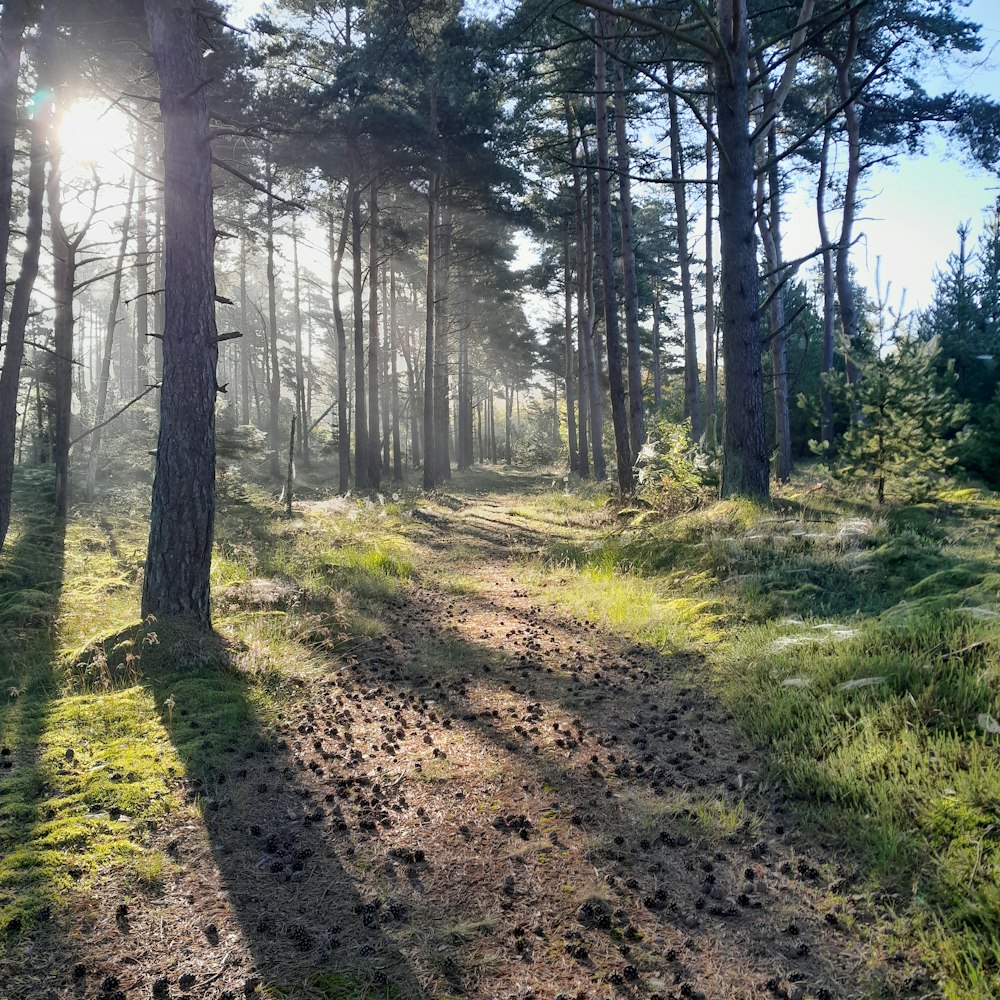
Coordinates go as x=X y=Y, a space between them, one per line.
x=503 y=741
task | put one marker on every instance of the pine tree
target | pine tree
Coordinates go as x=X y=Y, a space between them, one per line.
x=908 y=412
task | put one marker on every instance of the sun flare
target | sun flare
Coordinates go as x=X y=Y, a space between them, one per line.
x=95 y=135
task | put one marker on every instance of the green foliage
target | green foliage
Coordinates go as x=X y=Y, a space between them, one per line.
x=965 y=318
x=902 y=439
x=673 y=473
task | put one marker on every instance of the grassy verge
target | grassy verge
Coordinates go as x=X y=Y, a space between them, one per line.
x=861 y=649
x=106 y=731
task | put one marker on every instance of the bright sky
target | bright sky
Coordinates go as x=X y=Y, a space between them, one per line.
x=913 y=208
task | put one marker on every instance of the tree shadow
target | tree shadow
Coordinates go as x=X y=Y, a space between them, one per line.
x=281 y=890
x=567 y=815
x=34 y=845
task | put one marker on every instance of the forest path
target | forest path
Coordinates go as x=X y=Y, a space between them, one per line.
x=586 y=805
x=484 y=796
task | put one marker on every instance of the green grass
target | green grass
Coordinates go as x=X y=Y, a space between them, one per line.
x=101 y=718
x=861 y=649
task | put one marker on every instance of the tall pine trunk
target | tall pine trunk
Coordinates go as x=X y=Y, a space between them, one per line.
x=11 y=40
x=182 y=521
x=64 y=253
x=109 y=341
x=569 y=356
x=636 y=412
x=442 y=347
x=711 y=382
x=583 y=455
x=361 y=460
x=397 y=456
x=300 y=369
x=590 y=339
x=374 y=437
x=619 y=415
x=692 y=385
x=744 y=442
x=829 y=295
x=274 y=369
x=17 y=321
x=430 y=479
x=845 y=286
x=343 y=422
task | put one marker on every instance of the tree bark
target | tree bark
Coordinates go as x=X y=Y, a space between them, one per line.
x=636 y=411
x=386 y=392
x=179 y=556
x=744 y=444
x=845 y=287
x=142 y=263
x=64 y=253
x=374 y=437
x=361 y=459
x=619 y=415
x=430 y=479
x=711 y=372
x=300 y=369
x=568 y=337
x=274 y=370
x=11 y=40
x=17 y=321
x=583 y=456
x=590 y=346
x=829 y=295
x=768 y=217
x=397 y=456
x=246 y=341
x=343 y=422
x=109 y=342
x=442 y=347
x=692 y=386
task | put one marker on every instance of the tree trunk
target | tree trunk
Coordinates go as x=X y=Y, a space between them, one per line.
x=159 y=302
x=11 y=38
x=64 y=252
x=768 y=218
x=386 y=392
x=274 y=370
x=570 y=360
x=290 y=474
x=636 y=411
x=744 y=443
x=619 y=415
x=374 y=437
x=582 y=334
x=692 y=386
x=142 y=264
x=845 y=287
x=179 y=556
x=430 y=479
x=300 y=369
x=442 y=323
x=711 y=381
x=657 y=351
x=397 y=456
x=412 y=381
x=829 y=295
x=109 y=343
x=593 y=356
x=17 y=321
x=343 y=422
x=246 y=341
x=361 y=459
x=508 y=406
